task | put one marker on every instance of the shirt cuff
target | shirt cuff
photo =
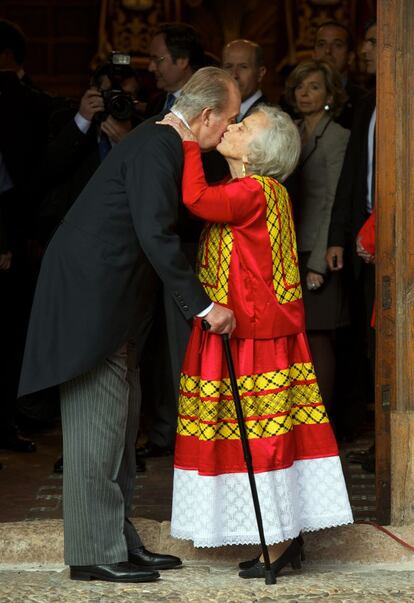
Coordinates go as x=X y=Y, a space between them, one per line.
x=82 y=123
x=205 y=311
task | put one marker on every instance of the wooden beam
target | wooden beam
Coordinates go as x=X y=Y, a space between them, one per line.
x=395 y=262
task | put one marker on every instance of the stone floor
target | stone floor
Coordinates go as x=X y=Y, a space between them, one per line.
x=202 y=583
x=351 y=564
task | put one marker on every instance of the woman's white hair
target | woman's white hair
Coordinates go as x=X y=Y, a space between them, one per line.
x=276 y=149
x=208 y=87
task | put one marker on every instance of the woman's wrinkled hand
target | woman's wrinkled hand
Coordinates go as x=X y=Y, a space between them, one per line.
x=314 y=280
x=179 y=126
x=368 y=258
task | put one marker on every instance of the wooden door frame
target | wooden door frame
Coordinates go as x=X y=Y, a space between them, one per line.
x=394 y=399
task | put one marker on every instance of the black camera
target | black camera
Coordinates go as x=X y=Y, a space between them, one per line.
x=117 y=103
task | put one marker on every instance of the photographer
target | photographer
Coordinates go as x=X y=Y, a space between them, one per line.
x=78 y=143
x=80 y=140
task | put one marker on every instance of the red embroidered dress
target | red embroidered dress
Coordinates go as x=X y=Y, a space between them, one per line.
x=248 y=262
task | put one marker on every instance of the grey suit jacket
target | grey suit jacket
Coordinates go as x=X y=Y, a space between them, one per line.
x=318 y=174
x=97 y=280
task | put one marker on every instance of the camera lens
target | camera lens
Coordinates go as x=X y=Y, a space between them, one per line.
x=120 y=106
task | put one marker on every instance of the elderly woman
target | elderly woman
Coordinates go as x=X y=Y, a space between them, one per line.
x=315 y=92
x=248 y=262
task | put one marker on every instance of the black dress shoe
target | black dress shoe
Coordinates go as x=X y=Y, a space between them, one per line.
x=152 y=450
x=251 y=562
x=141 y=466
x=143 y=559
x=58 y=466
x=14 y=441
x=112 y=572
x=290 y=555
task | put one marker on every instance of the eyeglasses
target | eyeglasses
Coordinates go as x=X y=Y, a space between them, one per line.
x=157 y=60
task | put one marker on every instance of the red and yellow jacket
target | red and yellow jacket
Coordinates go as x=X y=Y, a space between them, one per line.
x=247 y=254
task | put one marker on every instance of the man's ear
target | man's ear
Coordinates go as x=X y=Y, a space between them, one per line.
x=182 y=63
x=206 y=116
x=262 y=73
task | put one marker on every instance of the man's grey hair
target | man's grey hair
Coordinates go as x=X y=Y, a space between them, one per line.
x=207 y=88
x=275 y=151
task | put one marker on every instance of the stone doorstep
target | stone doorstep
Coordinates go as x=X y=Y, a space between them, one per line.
x=41 y=542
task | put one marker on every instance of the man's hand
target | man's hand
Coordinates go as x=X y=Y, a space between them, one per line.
x=363 y=253
x=114 y=129
x=221 y=320
x=5 y=260
x=91 y=103
x=314 y=280
x=335 y=258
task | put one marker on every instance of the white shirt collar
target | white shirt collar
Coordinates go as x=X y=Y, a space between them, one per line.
x=180 y=116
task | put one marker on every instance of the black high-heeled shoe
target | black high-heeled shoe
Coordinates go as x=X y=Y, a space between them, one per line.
x=290 y=555
x=246 y=564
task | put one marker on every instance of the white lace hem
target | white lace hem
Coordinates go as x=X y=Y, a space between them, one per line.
x=218 y=510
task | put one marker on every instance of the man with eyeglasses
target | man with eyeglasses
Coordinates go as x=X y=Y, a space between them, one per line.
x=176 y=53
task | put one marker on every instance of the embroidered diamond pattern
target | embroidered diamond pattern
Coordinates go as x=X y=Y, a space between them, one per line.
x=286 y=279
x=214 y=257
x=272 y=404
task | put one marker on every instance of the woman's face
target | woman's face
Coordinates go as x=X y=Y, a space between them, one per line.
x=311 y=94
x=235 y=142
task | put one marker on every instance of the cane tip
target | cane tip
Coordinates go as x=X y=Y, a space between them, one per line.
x=270 y=577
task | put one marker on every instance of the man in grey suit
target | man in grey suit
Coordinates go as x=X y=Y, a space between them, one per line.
x=90 y=317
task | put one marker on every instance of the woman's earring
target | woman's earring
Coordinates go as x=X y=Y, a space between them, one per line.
x=243 y=170
x=327 y=107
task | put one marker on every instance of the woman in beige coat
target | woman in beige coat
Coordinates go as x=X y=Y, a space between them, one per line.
x=315 y=92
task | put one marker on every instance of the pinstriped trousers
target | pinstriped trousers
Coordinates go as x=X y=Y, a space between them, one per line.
x=100 y=417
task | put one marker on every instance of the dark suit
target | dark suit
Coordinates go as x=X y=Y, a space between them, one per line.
x=95 y=292
x=355 y=95
x=24 y=114
x=99 y=261
x=356 y=348
x=349 y=211
x=260 y=100
x=72 y=157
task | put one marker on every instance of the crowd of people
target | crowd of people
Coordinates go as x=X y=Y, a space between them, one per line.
x=120 y=240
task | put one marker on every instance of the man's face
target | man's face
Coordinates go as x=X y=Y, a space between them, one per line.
x=239 y=60
x=169 y=76
x=331 y=45
x=215 y=124
x=369 y=49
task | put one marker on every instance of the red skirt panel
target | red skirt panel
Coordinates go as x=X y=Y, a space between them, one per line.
x=284 y=414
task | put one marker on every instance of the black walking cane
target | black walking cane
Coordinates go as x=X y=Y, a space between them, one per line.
x=270 y=578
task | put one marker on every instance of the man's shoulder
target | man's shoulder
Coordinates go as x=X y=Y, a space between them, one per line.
x=152 y=130
x=149 y=142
